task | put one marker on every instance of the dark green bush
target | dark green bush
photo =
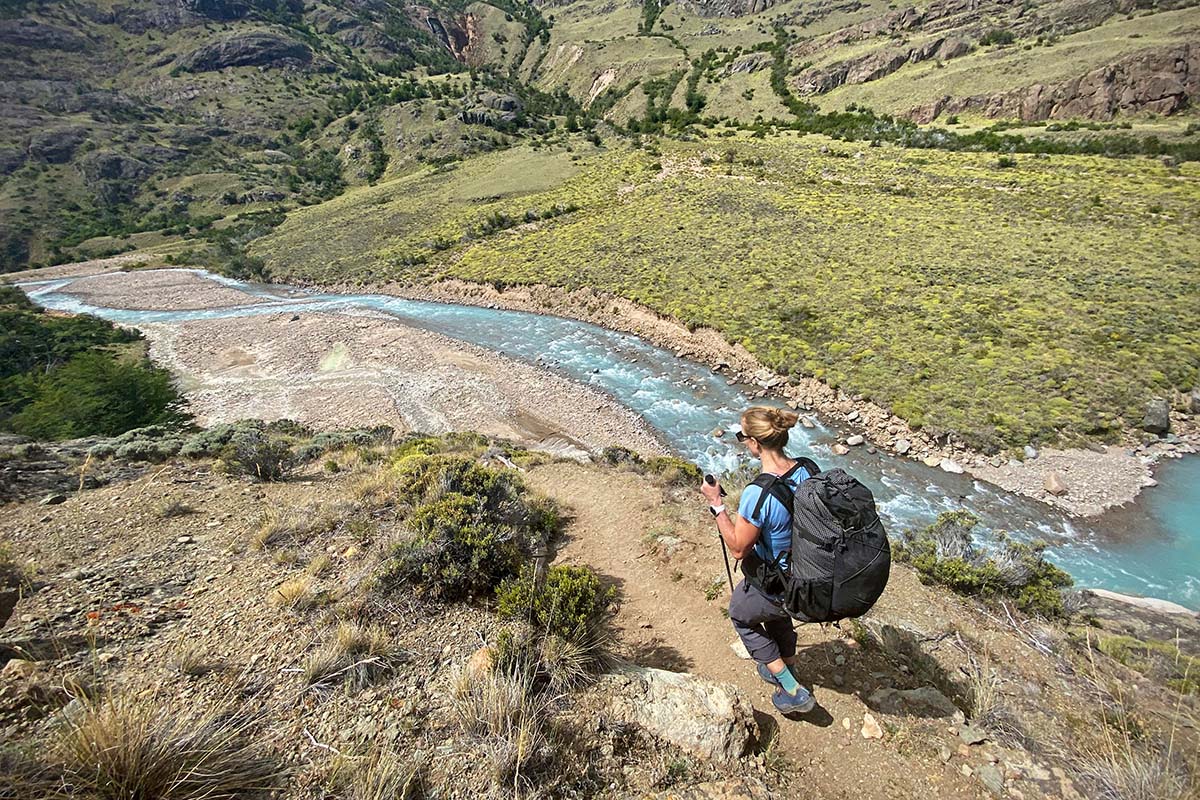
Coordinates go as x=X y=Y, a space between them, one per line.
x=96 y=393
x=571 y=603
x=470 y=526
x=945 y=553
x=998 y=36
x=257 y=455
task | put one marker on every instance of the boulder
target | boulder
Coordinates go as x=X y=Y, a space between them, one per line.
x=950 y=466
x=707 y=719
x=1056 y=484
x=855 y=440
x=923 y=702
x=932 y=461
x=902 y=446
x=870 y=728
x=840 y=449
x=1158 y=417
x=1194 y=401
x=1030 y=452
x=16 y=669
x=247 y=50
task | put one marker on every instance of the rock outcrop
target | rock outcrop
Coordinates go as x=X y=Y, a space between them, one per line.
x=710 y=720
x=248 y=50
x=1162 y=81
x=877 y=64
x=726 y=8
x=57 y=145
x=39 y=36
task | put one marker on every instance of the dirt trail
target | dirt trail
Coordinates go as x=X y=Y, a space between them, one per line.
x=663 y=557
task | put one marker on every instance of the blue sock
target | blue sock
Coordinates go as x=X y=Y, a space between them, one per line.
x=787 y=680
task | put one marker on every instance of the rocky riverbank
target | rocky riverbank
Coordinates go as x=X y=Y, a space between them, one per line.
x=1080 y=481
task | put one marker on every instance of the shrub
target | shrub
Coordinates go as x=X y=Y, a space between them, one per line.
x=998 y=36
x=256 y=455
x=468 y=528
x=945 y=553
x=675 y=471
x=296 y=594
x=571 y=603
x=122 y=748
x=96 y=394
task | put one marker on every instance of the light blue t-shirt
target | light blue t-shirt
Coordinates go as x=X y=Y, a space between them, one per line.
x=774 y=523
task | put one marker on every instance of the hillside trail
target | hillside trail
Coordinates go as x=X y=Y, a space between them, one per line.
x=665 y=561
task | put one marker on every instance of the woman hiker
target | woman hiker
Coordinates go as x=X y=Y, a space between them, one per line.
x=755 y=610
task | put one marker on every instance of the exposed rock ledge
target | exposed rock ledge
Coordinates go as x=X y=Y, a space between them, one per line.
x=1161 y=81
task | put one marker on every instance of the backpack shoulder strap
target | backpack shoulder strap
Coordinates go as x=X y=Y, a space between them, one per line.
x=776 y=487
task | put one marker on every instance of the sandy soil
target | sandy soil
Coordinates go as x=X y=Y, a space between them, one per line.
x=1096 y=481
x=167 y=289
x=334 y=371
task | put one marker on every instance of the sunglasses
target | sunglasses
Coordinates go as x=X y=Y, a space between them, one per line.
x=741 y=437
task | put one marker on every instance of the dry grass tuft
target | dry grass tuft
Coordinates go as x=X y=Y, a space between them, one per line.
x=296 y=594
x=192 y=659
x=319 y=566
x=358 y=655
x=23 y=776
x=122 y=748
x=296 y=525
x=1126 y=760
x=502 y=709
x=375 y=487
x=378 y=775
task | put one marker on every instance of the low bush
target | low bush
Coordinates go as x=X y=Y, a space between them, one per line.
x=670 y=470
x=945 y=553
x=571 y=602
x=468 y=526
x=255 y=454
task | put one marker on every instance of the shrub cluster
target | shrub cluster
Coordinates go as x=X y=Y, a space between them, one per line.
x=669 y=469
x=261 y=450
x=571 y=602
x=66 y=377
x=468 y=526
x=945 y=553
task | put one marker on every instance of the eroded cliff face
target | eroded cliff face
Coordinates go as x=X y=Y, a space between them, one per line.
x=1160 y=81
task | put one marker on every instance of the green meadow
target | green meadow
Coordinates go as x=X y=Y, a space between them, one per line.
x=1003 y=300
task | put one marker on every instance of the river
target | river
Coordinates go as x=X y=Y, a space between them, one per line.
x=1151 y=548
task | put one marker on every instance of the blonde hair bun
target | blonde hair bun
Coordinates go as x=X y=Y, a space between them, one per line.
x=769 y=425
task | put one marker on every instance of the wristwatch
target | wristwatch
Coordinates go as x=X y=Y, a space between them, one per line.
x=715 y=510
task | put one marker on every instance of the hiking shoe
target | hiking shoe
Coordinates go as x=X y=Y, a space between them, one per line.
x=799 y=703
x=767 y=676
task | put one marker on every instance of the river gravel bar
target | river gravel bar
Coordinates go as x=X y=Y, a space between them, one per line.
x=338 y=371
x=157 y=290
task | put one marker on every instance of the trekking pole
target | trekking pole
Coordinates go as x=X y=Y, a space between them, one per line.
x=728 y=571
x=710 y=480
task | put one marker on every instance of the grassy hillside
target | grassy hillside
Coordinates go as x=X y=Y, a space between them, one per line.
x=1002 y=303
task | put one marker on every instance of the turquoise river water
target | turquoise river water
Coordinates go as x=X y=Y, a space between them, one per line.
x=1151 y=548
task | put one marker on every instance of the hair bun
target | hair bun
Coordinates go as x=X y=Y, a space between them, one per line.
x=783 y=420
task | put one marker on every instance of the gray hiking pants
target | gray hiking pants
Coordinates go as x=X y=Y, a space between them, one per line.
x=762 y=624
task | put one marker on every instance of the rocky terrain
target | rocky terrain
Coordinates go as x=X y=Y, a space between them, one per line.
x=178 y=587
